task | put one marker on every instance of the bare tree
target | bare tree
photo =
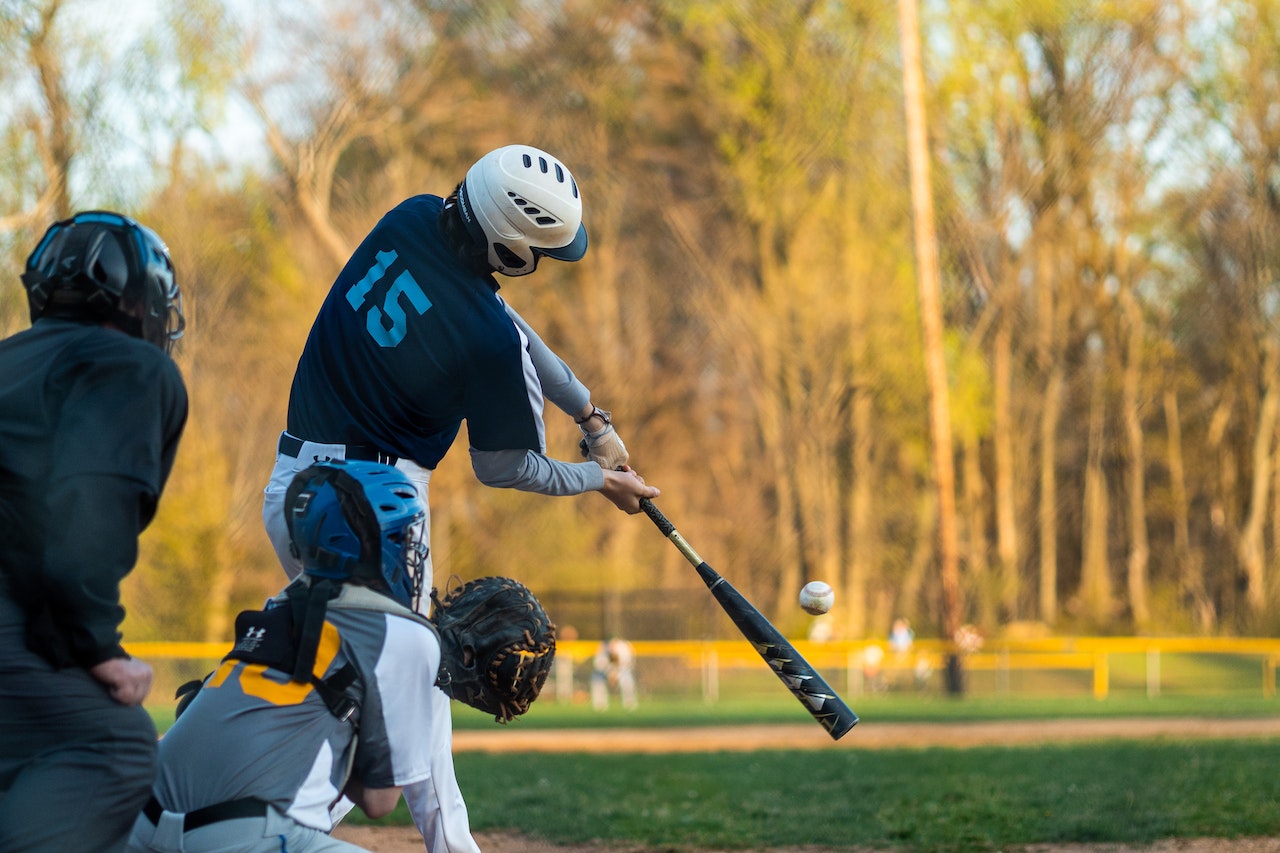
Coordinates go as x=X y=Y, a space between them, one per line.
x=928 y=275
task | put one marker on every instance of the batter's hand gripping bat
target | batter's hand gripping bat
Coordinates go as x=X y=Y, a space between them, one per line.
x=794 y=671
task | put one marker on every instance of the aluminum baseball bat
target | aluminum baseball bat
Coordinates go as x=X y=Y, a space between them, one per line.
x=790 y=667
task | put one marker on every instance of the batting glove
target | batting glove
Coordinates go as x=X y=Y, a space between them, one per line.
x=603 y=446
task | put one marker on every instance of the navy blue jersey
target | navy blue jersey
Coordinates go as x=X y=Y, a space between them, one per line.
x=408 y=344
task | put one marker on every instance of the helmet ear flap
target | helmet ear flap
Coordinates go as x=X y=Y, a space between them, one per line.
x=511 y=260
x=37 y=293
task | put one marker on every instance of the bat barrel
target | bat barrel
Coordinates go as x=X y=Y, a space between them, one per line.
x=794 y=671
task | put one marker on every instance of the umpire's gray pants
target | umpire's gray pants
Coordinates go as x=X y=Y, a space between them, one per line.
x=75 y=766
x=273 y=833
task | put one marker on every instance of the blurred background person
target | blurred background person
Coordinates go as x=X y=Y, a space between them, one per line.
x=613 y=668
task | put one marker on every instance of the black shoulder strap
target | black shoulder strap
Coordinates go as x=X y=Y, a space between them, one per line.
x=308 y=604
x=286 y=637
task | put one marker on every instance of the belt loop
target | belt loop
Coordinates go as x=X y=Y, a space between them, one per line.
x=289 y=446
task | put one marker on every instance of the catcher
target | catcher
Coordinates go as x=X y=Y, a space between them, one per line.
x=330 y=690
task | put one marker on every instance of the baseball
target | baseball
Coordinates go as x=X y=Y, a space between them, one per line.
x=817 y=597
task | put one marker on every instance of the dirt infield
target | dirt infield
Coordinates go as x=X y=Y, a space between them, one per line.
x=863 y=736
x=877 y=736
x=406 y=840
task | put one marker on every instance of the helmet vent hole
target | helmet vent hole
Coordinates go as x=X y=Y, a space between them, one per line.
x=546 y=220
x=542 y=164
x=528 y=161
x=559 y=173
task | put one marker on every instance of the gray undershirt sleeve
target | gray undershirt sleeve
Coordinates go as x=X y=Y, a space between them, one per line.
x=559 y=385
x=533 y=472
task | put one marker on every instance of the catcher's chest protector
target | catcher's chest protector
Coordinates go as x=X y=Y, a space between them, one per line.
x=271 y=637
x=286 y=636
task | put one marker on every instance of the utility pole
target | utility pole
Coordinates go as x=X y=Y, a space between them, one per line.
x=928 y=280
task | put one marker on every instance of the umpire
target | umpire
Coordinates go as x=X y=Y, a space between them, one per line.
x=91 y=411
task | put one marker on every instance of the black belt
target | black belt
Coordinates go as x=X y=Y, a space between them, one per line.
x=291 y=446
x=230 y=810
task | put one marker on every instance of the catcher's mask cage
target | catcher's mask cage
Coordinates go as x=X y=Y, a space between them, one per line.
x=497 y=645
x=103 y=266
x=360 y=522
x=521 y=204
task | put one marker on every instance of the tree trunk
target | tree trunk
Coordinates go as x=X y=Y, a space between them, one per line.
x=1139 y=546
x=1095 y=573
x=1005 y=481
x=1190 y=561
x=862 y=541
x=928 y=278
x=57 y=144
x=1252 y=548
x=1048 y=510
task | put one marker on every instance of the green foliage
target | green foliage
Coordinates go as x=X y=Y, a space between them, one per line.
x=748 y=307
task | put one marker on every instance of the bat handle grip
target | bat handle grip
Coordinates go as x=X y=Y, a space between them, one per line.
x=656 y=516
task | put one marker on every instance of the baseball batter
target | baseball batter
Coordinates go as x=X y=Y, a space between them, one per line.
x=92 y=409
x=413 y=339
x=284 y=726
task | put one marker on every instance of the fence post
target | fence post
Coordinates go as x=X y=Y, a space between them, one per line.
x=1100 y=675
x=855 y=672
x=710 y=675
x=1153 y=673
x=563 y=665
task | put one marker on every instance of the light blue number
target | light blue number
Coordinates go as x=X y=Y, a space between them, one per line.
x=361 y=288
x=405 y=284
x=391 y=309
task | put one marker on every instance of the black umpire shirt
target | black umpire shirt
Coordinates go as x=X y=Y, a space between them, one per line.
x=90 y=420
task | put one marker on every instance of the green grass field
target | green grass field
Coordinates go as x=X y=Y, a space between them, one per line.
x=935 y=799
x=979 y=799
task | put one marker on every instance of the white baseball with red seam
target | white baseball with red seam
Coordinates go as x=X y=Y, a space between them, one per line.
x=817 y=597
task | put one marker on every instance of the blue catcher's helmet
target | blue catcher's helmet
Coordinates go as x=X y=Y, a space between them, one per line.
x=359 y=522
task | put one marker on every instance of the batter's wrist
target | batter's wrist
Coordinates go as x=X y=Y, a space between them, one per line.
x=596 y=412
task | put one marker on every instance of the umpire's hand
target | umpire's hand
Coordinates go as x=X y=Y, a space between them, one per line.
x=128 y=680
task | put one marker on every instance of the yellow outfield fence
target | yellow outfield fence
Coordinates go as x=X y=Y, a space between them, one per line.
x=1100 y=665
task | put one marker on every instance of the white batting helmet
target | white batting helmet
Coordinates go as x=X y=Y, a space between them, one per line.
x=522 y=203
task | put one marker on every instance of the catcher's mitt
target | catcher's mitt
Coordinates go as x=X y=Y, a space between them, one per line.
x=497 y=645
